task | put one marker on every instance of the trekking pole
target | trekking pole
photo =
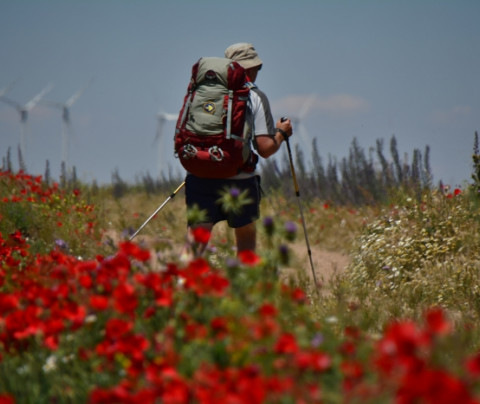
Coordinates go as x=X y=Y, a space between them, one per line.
x=172 y=195
x=297 y=192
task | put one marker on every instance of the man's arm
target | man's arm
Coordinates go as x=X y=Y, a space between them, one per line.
x=269 y=144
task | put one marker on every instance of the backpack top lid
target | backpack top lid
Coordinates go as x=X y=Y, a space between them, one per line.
x=225 y=71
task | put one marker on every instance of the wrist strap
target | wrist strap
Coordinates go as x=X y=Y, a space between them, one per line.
x=284 y=134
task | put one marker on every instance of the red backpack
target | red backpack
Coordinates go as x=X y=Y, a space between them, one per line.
x=212 y=137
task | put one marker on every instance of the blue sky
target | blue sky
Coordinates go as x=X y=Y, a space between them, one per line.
x=373 y=68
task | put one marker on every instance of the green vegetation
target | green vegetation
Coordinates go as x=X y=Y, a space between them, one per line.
x=111 y=320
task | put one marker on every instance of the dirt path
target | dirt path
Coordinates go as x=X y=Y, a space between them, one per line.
x=325 y=263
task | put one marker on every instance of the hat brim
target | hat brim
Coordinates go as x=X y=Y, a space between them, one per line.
x=250 y=63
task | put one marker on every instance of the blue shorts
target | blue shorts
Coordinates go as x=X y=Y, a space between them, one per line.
x=205 y=192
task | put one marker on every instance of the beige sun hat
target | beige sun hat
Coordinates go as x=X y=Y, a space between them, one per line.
x=245 y=54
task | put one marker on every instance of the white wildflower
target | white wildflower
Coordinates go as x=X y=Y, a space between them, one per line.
x=331 y=319
x=50 y=364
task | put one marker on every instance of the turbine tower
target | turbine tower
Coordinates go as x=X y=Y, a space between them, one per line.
x=162 y=118
x=297 y=121
x=66 y=123
x=23 y=111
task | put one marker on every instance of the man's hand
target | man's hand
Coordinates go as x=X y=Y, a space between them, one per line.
x=268 y=144
x=284 y=126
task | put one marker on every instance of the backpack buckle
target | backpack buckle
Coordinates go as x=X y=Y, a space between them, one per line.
x=216 y=153
x=189 y=151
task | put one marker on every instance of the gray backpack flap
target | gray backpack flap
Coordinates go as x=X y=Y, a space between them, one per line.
x=207 y=112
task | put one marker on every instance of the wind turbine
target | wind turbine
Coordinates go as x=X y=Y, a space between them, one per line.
x=297 y=122
x=66 y=123
x=23 y=110
x=162 y=118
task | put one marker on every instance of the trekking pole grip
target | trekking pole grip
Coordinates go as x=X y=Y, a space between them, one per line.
x=283 y=133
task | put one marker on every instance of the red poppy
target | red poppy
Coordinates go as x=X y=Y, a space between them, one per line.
x=432 y=386
x=352 y=332
x=6 y=398
x=125 y=298
x=51 y=342
x=85 y=281
x=399 y=349
x=268 y=310
x=17 y=237
x=8 y=302
x=298 y=295
x=98 y=302
x=352 y=371
x=117 y=394
x=24 y=323
x=53 y=326
x=201 y=235
x=214 y=284
x=244 y=385
x=263 y=327
x=436 y=322
x=195 y=330
x=286 y=343
x=116 y=328
x=249 y=257
x=164 y=297
x=473 y=365
x=134 y=251
x=406 y=337
x=313 y=360
x=196 y=268
x=219 y=326
x=348 y=348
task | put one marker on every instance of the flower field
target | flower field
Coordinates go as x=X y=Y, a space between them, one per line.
x=84 y=319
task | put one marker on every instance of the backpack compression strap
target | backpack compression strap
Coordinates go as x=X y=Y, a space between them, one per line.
x=230 y=135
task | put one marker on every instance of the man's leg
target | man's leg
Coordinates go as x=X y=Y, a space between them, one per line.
x=246 y=237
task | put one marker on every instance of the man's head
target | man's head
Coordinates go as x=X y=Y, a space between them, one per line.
x=246 y=55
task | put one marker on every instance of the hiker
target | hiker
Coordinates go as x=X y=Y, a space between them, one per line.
x=266 y=139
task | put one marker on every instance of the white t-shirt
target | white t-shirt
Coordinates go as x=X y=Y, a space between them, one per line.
x=260 y=108
x=259 y=117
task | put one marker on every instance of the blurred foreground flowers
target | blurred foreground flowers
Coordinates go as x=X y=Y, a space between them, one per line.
x=113 y=330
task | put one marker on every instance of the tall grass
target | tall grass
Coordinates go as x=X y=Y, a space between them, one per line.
x=357 y=179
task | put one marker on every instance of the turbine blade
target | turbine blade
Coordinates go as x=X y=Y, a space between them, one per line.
x=167 y=116
x=307 y=105
x=11 y=102
x=30 y=104
x=163 y=117
x=171 y=117
x=77 y=95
